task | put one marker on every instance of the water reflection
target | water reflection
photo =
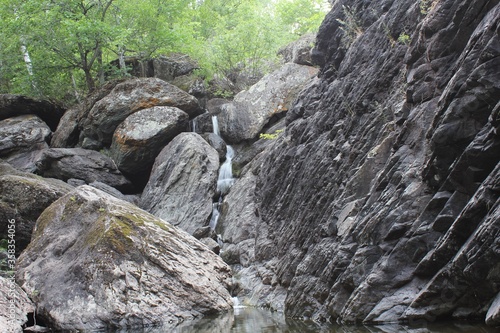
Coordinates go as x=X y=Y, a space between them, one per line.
x=252 y=320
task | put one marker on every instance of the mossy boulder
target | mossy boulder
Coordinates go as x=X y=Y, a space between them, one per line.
x=98 y=262
x=23 y=197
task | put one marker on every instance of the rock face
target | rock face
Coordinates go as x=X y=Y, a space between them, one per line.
x=379 y=202
x=299 y=51
x=23 y=197
x=117 y=266
x=22 y=139
x=17 y=105
x=97 y=119
x=12 y=294
x=183 y=182
x=82 y=164
x=245 y=117
x=139 y=138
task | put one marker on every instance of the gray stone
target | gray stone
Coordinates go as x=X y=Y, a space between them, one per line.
x=12 y=294
x=97 y=262
x=125 y=99
x=21 y=140
x=299 y=51
x=245 y=117
x=216 y=141
x=82 y=164
x=183 y=182
x=368 y=215
x=141 y=136
x=493 y=315
x=23 y=197
x=17 y=105
x=91 y=124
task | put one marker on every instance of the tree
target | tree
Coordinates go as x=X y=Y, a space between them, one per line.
x=70 y=43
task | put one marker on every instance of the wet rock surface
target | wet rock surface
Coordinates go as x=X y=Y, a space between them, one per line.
x=117 y=266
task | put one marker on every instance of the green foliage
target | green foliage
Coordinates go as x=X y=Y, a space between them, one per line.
x=3 y=244
x=426 y=6
x=272 y=136
x=404 y=38
x=62 y=48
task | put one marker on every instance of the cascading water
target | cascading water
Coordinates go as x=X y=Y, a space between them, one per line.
x=226 y=180
x=215 y=216
x=194 y=125
x=215 y=125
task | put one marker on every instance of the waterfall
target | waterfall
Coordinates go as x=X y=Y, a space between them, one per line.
x=226 y=180
x=215 y=216
x=194 y=125
x=215 y=125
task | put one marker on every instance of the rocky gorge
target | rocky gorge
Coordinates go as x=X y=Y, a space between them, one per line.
x=372 y=195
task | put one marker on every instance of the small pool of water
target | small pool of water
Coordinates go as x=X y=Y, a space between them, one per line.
x=252 y=320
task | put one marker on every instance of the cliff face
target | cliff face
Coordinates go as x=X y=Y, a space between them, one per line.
x=380 y=201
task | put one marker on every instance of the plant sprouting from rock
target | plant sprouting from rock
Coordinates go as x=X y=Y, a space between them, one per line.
x=426 y=6
x=270 y=136
x=404 y=38
x=350 y=25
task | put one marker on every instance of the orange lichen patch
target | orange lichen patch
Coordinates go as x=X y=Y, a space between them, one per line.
x=146 y=103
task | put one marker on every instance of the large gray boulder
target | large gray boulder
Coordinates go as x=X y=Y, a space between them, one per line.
x=68 y=131
x=127 y=98
x=23 y=197
x=245 y=117
x=14 y=306
x=97 y=262
x=82 y=164
x=139 y=138
x=17 y=105
x=22 y=138
x=92 y=123
x=183 y=182
x=299 y=51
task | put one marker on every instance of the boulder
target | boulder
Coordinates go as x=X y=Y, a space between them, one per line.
x=493 y=315
x=82 y=164
x=183 y=182
x=92 y=123
x=139 y=138
x=68 y=131
x=252 y=109
x=299 y=51
x=17 y=105
x=175 y=65
x=23 y=197
x=97 y=262
x=15 y=305
x=22 y=139
x=127 y=98
x=216 y=141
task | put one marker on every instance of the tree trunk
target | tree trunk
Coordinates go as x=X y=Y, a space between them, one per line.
x=29 y=65
x=89 y=79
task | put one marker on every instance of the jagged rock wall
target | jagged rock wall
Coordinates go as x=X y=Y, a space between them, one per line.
x=380 y=201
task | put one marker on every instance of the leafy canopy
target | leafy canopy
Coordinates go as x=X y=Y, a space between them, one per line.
x=63 y=48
